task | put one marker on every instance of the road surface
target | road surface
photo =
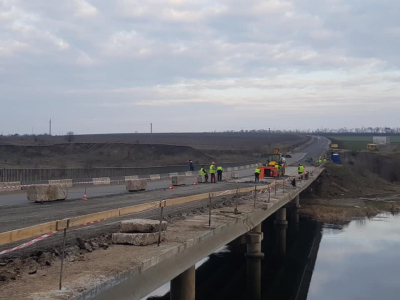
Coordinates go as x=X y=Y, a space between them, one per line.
x=313 y=150
x=27 y=214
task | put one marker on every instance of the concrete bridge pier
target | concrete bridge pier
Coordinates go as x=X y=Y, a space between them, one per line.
x=280 y=228
x=183 y=286
x=254 y=257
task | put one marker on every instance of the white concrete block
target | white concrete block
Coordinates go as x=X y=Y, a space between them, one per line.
x=62 y=182
x=201 y=179
x=136 y=185
x=178 y=180
x=173 y=174
x=10 y=186
x=241 y=167
x=155 y=177
x=142 y=225
x=137 y=239
x=235 y=168
x=101 y=181
x=247 y=166
x=229 y=169
x=131 y=177
x=235 y=175
x=189 y=173
x=46 y=193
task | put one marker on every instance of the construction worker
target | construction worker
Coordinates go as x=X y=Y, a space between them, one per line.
x=325 y=160
x=212 y=172
x=219 y=173
x=277 y=169
x=191 y=165
x=257 y=175
x=204 y=173
x=301 y=169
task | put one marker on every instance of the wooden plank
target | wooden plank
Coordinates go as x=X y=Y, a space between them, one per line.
x=77 y=221
x=138 y=208
x=27 y=232
x=186 y=199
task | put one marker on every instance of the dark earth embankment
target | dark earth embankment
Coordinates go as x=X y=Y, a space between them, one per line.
x=139 y=150
x=364 y=185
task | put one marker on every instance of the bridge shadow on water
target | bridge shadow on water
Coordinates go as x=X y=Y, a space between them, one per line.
x=286 y=270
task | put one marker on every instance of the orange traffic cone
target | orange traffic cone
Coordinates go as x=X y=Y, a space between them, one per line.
x=84 y=195
x=171 y=187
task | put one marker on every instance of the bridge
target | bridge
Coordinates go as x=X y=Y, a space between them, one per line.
x=229 y=213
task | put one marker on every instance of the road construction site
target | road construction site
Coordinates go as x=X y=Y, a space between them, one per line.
x=22 y=215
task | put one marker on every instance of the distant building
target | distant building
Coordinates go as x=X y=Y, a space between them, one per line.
x=381 y=140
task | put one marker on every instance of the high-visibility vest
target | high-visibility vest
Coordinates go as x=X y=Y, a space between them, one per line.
x=324 y=159
x=277 y=166
x=219 y=169
x=203 y=172
x=301 y=169
x=257 y=171
x=212 y=169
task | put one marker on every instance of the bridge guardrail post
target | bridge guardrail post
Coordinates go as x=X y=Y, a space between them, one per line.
x=209 y=210
x=63 y=255
x=255 y=195
x=269 y=194
x=162 y=204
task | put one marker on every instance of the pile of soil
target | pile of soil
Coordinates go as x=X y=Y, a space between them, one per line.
x=347 y=181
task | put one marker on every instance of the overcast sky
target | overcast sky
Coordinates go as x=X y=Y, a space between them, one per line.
x=104 y=66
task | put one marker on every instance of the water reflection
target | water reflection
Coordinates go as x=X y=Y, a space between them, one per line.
x=359 y=260
x=362 y=262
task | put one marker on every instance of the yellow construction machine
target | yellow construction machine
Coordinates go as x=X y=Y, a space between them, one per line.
x=270 y=169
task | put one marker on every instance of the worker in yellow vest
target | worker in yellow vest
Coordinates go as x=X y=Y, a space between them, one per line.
x=204 y=173
x=212 y=172
x=277 y=169
x=300 y=169
x=257 y=175
x=219 y=173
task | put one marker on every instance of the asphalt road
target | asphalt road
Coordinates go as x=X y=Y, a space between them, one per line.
x=314 y=150
x=27 y=214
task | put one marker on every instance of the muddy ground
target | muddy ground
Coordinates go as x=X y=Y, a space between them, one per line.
x=138 y=150
x=360 y=187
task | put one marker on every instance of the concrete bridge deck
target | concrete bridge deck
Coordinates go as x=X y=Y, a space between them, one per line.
x=128 y=272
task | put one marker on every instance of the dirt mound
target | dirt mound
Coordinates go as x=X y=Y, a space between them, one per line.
x=88 y=155
x=346 y=181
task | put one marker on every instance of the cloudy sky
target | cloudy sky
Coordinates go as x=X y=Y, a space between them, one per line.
x=189 y=65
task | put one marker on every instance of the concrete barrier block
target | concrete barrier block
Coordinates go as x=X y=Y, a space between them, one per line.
x=46 y=193
x=229 y=169
x=10 y=186
x=173 y=174
x=137 y=239
x=201 y=179
x=142 y=225
x=62 y=182
x=189 y=173
x=235 y=168
x=131 y=177
x=178 y=180
x=155 y=177
x=247 y=166
x=102 y=181
x=235 y=175
x=136 y=185
x=241 y=167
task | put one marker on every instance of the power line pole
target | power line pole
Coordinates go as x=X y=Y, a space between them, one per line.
x=269 y=139
x=50 y=127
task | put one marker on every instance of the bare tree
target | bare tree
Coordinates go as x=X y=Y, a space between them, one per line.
x=69 y=137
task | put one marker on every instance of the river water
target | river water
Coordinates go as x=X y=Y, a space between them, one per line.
x=359 y=260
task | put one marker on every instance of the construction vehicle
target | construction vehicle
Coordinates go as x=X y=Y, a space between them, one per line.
x=373 y=147
x=269 y=169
